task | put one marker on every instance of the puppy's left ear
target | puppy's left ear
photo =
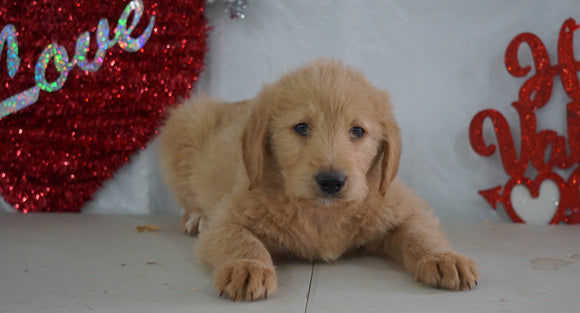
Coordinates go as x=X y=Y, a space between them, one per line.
x=253 y=143
x=391 y=147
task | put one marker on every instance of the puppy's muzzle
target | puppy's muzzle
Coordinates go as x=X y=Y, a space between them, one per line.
x=330 y=182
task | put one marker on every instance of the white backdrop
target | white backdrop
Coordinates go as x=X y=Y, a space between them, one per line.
x=442 y=62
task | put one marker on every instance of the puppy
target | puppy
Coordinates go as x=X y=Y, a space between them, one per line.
x=307 y=168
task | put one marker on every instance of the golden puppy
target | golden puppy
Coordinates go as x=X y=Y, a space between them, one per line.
x=307 y=168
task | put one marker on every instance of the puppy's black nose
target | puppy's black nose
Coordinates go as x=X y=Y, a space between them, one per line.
x=330 y=182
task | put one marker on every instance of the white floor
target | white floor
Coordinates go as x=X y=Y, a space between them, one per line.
x=87 y=263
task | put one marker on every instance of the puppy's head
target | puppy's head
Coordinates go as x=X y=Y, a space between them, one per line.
x=328 y=133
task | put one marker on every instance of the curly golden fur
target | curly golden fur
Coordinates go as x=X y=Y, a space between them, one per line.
x=307 y=168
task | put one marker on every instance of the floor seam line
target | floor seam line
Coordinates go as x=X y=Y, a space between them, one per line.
x=309 y=287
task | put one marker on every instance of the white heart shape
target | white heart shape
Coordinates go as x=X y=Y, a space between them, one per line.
x=538 y=210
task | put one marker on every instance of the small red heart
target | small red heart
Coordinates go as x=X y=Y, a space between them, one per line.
x=533 y=187
x=56 y=152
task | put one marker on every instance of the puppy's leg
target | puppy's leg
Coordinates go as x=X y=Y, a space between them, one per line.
x=419 y=245
x=243 y=267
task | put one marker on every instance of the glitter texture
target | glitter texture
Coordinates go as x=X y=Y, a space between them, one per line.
x=57 y=54
x=89 y=113
x=235 y=9
x=126 y=42
x=534 y=93
x=8 y=37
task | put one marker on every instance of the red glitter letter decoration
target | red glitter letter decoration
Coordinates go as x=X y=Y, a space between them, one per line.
x=83 y=86
x=534 y=94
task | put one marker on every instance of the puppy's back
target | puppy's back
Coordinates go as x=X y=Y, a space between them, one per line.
x=200 y=151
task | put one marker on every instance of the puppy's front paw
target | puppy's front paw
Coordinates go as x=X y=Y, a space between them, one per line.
x=449 y=270
x=246 y=280
x=191 y=222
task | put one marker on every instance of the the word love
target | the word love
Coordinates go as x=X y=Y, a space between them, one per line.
x=534 y=93
x=57 y=55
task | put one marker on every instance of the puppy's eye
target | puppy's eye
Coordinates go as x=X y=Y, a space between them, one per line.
x=302 y=129
x=357 y=132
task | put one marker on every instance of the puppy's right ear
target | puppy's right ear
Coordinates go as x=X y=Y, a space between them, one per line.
x=253 y=144
x=391 y=145
x=391 y=155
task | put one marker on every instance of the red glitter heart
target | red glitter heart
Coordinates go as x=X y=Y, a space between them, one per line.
x=533 y=187
x=56 y=152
